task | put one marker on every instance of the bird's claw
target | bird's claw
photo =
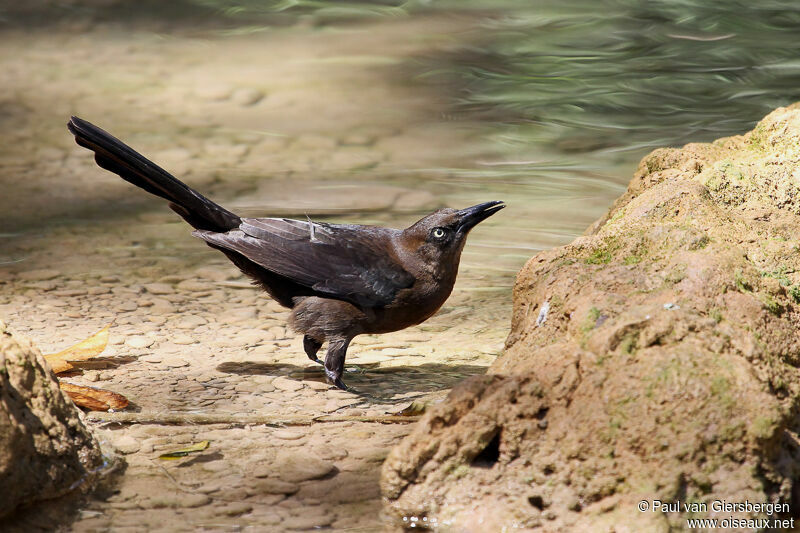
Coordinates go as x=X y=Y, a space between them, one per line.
x=335 y=380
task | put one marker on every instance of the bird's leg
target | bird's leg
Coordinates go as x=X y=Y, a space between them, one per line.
x=334 y=361
x=312 y=346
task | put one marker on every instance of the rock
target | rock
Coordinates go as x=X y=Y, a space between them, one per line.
x=255 y=388
x=316 y=385
x=286 y=384
x=129 y=305
x=160 y=306
x=299 y=466
x=615 y=397
x=216 y=466
x=44 y=446
x=183 y=339
x=158 y=288
x=69 y=292
x=264 y=349
x=287 y=434
x=193 y=285
x=277 y=332
x=306 y=522
x=39 y=275
x=250 y=337
x=190 y=322
x=222 y=273
x=234 y=509
x=192 y=500
x=96 y=291
x=246 y=97
x=139 y=341
x=273 y=486
x=127 y=444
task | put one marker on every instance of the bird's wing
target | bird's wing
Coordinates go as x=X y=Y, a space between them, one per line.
x=336 y=261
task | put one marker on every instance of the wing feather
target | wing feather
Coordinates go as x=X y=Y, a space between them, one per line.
x=338 y=261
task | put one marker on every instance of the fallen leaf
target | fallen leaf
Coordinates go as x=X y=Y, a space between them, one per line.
x=92 y=398
x=86 y=349
x=183 y=452
x=87 y=402
x=415 y=408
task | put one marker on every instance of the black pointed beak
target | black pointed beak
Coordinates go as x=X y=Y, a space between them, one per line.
x=472 y=216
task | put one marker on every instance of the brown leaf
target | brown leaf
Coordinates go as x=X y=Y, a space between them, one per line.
x=86 y=349
x=87 y=402
x=92 y=398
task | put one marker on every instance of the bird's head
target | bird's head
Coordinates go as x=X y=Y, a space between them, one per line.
x=439 y=237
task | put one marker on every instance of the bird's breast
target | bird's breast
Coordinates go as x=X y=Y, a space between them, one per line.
x=412 y=306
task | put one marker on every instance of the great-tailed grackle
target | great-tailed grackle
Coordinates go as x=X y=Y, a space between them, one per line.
x=340 y=280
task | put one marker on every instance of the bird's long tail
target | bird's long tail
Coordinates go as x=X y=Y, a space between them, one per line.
x=114 y=155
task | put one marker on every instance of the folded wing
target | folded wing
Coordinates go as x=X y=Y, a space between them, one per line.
x=335 y=261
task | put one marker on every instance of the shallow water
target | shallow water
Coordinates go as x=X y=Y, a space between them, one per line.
x=546 y=106
x=368 y=114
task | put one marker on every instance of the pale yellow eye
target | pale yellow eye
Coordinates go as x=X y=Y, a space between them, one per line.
x=439 y=233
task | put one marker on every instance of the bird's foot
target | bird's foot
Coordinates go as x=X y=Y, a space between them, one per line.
x=336 y=379
x=311 y=346
x=318 y=360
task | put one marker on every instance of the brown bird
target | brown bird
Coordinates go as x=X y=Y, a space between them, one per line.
x=340 y=280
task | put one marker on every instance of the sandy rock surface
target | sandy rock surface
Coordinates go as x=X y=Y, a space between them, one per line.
x=653 y=358
x=45 y=447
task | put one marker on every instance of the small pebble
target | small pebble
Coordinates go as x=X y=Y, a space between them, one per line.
x=296 y=466
x=39 y=275
x=286 y=434
x=127 y=306
x=191 y=322
x=192 y=500
x=272 y=486
x=158 y=288
x=183 y=339
x=139 y=341
x=127 y=444
x=193 y=285
x=235 y=509
x=246 y=97
x=286 y=384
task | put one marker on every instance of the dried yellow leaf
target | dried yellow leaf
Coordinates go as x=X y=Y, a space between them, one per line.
x=86 y=349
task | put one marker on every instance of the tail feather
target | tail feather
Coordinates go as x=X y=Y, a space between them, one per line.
x=119 y=158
